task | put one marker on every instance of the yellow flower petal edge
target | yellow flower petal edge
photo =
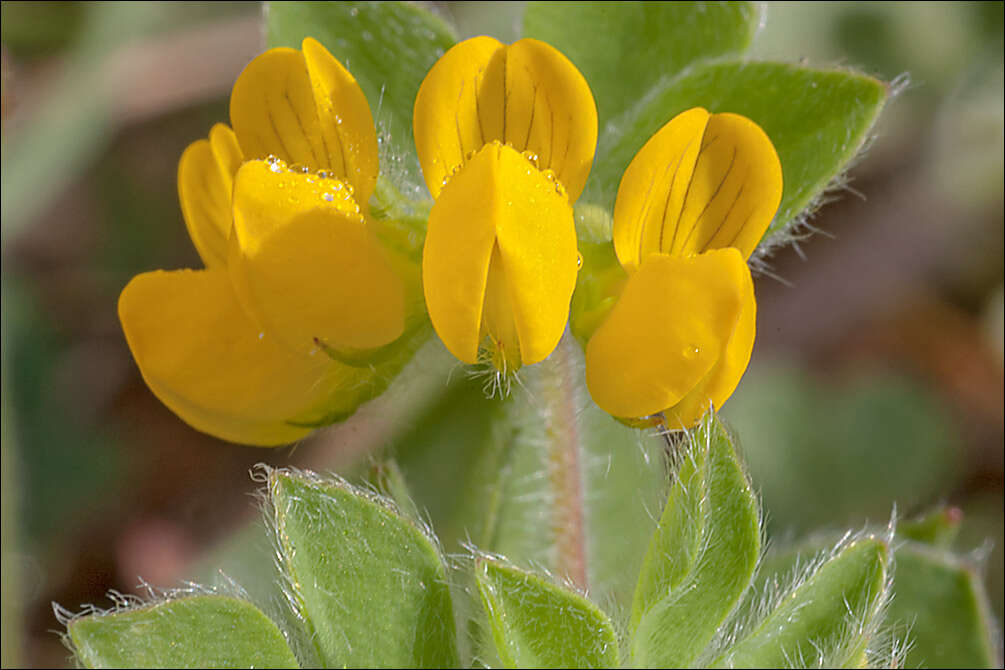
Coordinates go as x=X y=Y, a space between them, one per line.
x=704 y=181
x=207 y=361
x=718 y=385
x=306 y=109
x=205 y=181
x=500 y=259
x=526 y=95
x=305 y=263
x=668 y=330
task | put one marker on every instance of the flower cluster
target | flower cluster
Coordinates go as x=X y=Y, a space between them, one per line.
x=248 y=348
x=299 y=294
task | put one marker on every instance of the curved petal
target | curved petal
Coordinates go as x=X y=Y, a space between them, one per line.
x=668 y=329
x=501 y=211
x=460 y=240
x=536 y=238
x=306 y=109
x=306 y=265
x=653 y=187
x=702 y=182
x=718 y=385
x=205 y=182
x=526 y=95
x=203 y=358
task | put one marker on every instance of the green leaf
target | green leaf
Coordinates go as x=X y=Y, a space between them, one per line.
x=536 y=624
x=937 y=527
x=369 y=585
x=702 y=556
x=828 y=620
x=388 y=47
x=206 y=631
x=624 y=48
x=818 y=121
x=940 y=603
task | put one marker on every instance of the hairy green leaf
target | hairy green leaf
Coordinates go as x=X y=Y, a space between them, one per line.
x=624 y=48
x=536 y=624
x=941 y=605
x=370 y=586
x=827 y=620
x=818 y=121
x=203 y=631
x=937 y=527
x=388 y=47
x=702 y=556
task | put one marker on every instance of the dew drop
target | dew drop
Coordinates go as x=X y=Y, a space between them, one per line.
x=579 y=260
x=328 y=197
x=691 y=352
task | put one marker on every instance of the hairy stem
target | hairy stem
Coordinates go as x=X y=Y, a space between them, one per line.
x=558 y=393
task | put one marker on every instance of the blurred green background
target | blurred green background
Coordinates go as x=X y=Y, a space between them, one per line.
x=876 y=383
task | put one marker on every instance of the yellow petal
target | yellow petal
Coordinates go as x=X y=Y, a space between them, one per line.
x=668 y=329
x=653 y=187
x=499 y=206
x=201 y=355
x=719 y=384
x=205 y=182
x=702 y=182
x=527 y=95
x=306 y=265
x=306 y=109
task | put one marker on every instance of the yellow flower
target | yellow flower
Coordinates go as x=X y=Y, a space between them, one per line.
x=505 y=136
x=277 y=208
x=691 y=208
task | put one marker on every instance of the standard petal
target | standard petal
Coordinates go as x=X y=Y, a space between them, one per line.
x=668 y=329
x=653 y=187
x=500 y=209
x=719 y=384
x=526 y=95
x=205 y=182
x=550 y=112
x=201 y=355
x=446 y=119
x=306 y=265
x=698 y=186
x=306 y=109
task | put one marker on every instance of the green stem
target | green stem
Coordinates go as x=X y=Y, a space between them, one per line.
x=558 y=392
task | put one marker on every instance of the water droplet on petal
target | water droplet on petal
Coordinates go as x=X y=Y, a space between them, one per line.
x=579 y=260
x=691 y=352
